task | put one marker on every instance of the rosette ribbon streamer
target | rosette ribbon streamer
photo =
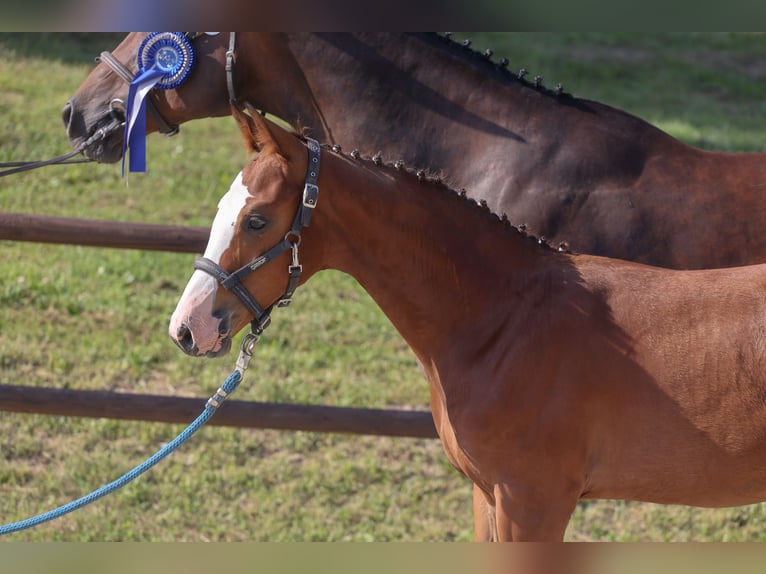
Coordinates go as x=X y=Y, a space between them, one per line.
x=134 y=142
x=164 y=61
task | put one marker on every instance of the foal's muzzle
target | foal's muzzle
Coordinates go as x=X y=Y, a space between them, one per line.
x=185 y=341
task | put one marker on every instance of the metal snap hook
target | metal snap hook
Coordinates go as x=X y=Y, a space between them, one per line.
x=296 y=263
x=246 y=351
x=248 y=343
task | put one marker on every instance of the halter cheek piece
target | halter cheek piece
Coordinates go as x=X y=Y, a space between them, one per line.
x=233 y=281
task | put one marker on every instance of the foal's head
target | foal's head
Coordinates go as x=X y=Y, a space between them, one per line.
x=255 y=215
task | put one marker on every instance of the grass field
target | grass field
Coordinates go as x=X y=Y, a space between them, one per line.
x=88 y=318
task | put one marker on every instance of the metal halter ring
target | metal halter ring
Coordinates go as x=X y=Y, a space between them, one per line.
x=290 y=234
x=117 y=105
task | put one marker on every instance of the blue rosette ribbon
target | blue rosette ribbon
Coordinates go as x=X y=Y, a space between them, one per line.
x=165 y=60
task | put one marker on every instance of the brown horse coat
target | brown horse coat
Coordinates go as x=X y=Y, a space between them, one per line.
x=573 y=170
x=553 y=377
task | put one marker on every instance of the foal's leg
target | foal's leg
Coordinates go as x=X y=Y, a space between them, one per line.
x=536 y=514
x=485 y=529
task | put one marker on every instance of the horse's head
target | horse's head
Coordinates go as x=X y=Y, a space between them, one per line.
x=252 y=252
x=99 y=101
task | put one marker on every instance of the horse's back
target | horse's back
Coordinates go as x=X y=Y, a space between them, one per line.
x=680 y=401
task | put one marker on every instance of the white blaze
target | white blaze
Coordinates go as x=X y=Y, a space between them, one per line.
x=195 y=307
x=229 y=208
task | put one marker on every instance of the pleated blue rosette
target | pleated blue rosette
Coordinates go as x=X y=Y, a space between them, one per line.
x=165 y=60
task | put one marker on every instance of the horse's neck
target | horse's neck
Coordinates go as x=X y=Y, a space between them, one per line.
x=420 y=99
x=346 y=82
x=435 y=264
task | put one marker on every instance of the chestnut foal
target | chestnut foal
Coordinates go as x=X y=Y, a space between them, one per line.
x=553 y=377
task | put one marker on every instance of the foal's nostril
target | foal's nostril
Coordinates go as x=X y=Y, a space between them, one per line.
x=66 y=115
x=184 y=339
x=223 y=327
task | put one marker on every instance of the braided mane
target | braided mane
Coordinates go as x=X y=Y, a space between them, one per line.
x=435 y=180
x=499 y=69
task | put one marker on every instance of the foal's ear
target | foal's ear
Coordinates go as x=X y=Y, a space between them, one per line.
x=255 y=131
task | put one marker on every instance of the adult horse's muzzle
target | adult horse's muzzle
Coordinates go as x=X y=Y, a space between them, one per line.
x=81 y=125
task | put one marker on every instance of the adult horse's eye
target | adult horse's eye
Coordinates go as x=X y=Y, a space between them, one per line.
x=256 y=222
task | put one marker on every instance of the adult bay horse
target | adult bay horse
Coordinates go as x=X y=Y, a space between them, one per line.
x=573 y=170
x=553 y=377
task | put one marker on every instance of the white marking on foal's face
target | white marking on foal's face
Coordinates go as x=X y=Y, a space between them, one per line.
x=225 y=220
x=195 y=307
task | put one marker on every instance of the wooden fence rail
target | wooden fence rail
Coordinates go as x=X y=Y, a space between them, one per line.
x=157 y=408
x=101 y=233
x=248 y=414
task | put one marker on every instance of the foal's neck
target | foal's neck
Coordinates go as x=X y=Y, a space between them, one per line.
x=435 y=262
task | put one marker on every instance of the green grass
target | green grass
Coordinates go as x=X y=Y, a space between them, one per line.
x=89 y=318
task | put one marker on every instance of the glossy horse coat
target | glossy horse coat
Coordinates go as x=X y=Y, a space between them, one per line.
x=554 y=377
x=573 y=170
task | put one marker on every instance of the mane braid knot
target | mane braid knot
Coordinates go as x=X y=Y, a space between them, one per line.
x=502 y=65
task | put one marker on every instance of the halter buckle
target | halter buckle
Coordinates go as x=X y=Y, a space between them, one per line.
x=310 y=195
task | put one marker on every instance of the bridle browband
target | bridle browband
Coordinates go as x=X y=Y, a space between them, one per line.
x=233 y=281
x=164 y=126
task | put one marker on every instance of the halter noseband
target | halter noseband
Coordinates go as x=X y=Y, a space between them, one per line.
x=164 y=126
x=233 y=281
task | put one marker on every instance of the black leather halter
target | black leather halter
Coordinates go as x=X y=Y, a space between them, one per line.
x=233 y=281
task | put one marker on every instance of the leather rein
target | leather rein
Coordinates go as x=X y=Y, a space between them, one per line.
x=233 y=281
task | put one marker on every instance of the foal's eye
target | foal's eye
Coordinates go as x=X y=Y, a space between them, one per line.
x=256 y=222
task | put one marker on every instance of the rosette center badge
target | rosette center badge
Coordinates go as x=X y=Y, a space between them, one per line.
x=170 y=52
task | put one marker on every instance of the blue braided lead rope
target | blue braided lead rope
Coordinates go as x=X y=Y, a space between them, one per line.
x=229 y=385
